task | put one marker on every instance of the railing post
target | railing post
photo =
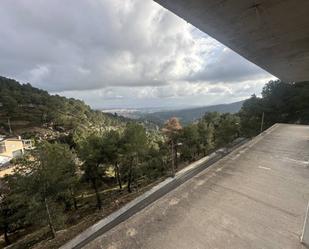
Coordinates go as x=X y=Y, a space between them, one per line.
x=305 y=235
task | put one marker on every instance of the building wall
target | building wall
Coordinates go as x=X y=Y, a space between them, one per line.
x=12 y=147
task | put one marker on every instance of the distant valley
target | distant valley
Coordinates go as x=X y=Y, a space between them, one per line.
x=185 y=115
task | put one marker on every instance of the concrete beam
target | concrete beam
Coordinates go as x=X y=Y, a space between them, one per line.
x=273 y=34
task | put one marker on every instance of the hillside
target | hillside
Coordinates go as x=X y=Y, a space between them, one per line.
x=189 y=115
x=25 y=107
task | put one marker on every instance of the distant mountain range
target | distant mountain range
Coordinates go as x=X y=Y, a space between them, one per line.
x=191 y=114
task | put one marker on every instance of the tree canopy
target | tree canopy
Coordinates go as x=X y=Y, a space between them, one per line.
x=280 y=103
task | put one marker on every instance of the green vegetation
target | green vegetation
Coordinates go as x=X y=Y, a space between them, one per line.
x=280 y=102
x=88 y=173
x=29 y=107
x=54 y=182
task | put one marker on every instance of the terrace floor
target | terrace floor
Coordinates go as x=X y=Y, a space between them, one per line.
x=255 y=197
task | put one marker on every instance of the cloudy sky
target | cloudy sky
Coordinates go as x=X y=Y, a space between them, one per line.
x=120 y=53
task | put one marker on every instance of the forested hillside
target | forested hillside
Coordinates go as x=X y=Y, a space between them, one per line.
x=57 y=191
x=62 y=186
x=25 y=107
x=68 y=182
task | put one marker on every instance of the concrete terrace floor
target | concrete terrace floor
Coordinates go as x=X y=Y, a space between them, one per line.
x=256 y=197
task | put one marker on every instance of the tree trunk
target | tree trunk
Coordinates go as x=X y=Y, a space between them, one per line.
x=97 y=194
x=176 y=158
x=118 y=176
x=130 y=176
x=67 y=205
x=6 y=236
x=74 y=199
x=173 y=157
x=52 y=229
x=75 y=203
x=204 y=152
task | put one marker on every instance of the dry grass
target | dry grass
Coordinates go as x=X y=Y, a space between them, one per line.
x=7 y=171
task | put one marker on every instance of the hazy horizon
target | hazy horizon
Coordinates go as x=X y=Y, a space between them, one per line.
x=167 y=108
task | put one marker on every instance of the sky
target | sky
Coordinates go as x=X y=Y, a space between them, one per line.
x=120 y=54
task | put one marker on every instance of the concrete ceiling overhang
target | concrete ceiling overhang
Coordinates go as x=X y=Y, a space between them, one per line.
x=273 y=34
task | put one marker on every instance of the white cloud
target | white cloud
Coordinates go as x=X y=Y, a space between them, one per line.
x=109 y=51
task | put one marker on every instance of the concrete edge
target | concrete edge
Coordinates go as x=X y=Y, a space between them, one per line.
x=74 y=243
x=153 y=194
x=305 y=234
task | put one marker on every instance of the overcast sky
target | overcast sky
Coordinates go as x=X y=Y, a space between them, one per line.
x=120 y=53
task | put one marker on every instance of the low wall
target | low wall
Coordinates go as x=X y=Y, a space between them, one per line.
x=148 y=197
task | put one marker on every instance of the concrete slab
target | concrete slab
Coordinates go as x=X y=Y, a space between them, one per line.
x=149 y=197
x=256 y=197
x=273 y=34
